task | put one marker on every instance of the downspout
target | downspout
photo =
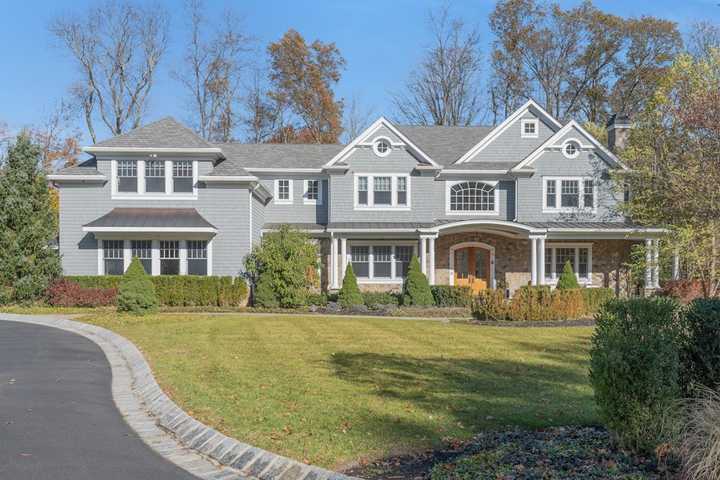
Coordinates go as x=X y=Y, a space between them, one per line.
x=516 y=200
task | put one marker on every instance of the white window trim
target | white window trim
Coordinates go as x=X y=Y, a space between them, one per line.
x=394 y=279
x=141 y=194
x=577 y=149
x=375 y=142
x=552 y=277
x=495 y=212
x=276 y=196
x=155 y=256
x=308 y=201
x=393 y=192
x=527 y=121
x=558 y=189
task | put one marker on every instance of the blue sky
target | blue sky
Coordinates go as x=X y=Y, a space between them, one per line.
x=381 y=41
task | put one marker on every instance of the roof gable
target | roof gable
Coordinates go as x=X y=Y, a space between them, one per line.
x=444 y=144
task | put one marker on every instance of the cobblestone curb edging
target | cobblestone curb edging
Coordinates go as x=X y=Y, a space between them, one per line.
x=190 y=444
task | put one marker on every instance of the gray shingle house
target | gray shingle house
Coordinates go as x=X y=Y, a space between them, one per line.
x=485 y=207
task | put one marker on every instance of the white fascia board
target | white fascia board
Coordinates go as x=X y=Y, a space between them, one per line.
x=491 y=223
x=212 y=151
x=150 y=229
x=608 y=230
x=497 y=131
x=227 y=178
x=382 y=121
x=473 y=172
x=372 y=230
x=96 y=178
x=283 y=170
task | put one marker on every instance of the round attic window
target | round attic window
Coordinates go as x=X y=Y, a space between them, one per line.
x=571 y=149
x=381 y=146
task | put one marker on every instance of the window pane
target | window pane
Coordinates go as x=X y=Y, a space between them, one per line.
x=360 y=258
x=569 y=193
x=114 y=267
x=472 y=196
x=169 y=267
x=563 y=255
x=182 y=176
x=113 y=254
x=550 y=194
x=182 y=185
x=283 y=189
x=583 y=257
x=403 y=254
x=362 y=190
x=197 y=267
x=382 y=190
x=313 y=190
x=142 y=249
x=155 y=176
x=402 y=191
x=382 y=261
x=588 y=194
x=548 y=263
x=127 y=176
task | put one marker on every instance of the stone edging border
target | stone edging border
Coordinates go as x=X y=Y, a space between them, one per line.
x=166 y=428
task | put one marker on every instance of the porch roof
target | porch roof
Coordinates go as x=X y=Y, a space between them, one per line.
x=151 y=220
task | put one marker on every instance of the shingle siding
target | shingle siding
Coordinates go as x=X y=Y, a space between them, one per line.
x=297 y=211
x=510 y=146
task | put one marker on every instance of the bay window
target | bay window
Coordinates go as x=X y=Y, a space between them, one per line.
x=113 y=257
x=387 y=191
x=562 y=194
x=579 y=256
x=380 y=262
x=157 y=257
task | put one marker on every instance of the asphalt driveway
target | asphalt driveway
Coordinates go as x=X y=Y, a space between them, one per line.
x=57 y=416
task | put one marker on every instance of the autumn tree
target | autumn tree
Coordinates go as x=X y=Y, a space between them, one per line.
x=213 y=66
x=117 y=47
x=57 y=138
x=673 y=154
x=302 y=78
x=262 y=113
x=445 y=89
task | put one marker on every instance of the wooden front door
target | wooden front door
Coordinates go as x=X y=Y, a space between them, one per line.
x=472 y=268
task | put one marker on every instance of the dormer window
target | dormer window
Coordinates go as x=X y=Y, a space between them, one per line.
x=571 y=149
x=381 y=147
x=529 y=128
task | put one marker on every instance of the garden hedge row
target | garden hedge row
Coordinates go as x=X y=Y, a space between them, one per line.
x=180 y=290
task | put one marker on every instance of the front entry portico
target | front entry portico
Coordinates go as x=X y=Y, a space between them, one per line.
x=472 y=265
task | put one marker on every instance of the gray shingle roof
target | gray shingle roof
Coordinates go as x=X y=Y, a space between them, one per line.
x=444 y=144
x=299 y=226
x=583 y=225
x=273 y=155
x=152 y=218
x=165 y=133
x=482 y=166
x=378 y=225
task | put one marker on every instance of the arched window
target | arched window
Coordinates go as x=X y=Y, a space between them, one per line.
x=472 y=197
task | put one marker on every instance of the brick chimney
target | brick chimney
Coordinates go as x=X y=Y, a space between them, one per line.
x=618 y=127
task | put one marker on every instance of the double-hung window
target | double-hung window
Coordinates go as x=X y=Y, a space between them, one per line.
x=283 y=191
x=182 y=179
x=579 y=256
x=127 y=176
x=313 y=192
x=569 y=194
x=382 y=191
x=142 y=249
x=113 y=257
x=380 y=263
x=197 y=257
x=169 y=257
x=155 y=176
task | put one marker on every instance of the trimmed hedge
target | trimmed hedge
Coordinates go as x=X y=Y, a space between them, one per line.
x=181 y=290
x=374 y=299
x=595 y=298
x=450 y=296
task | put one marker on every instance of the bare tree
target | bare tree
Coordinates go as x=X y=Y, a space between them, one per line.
x=59 y=141
x=213 y=67
x=445 y=89
x=356 y=120
x=117 y=46
x=262 y=113
x=703 y=37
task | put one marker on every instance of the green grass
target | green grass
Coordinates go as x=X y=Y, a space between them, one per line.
x=333 y=390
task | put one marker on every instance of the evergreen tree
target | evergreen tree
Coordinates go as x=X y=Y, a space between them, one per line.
x=137 y=291
x=27 y=226
x=350 y=295
x=416 y=289
x=567 y=279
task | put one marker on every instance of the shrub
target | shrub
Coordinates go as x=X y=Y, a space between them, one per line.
x=683 y=290
x=137 y=291
x=701 y=354
x=376 y=299
x=66 y=293
x=490 y=305
x=567 y=280
x=349 y=295
x=96 y=281
x=450 y=296
x=317 y=299
x=264 y=295
x=635 y=369
x=596 y=297
x=416 y=289
x=699 y=436
x=287 y=259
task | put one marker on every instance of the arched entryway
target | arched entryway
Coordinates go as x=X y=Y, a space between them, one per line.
x=472 y=264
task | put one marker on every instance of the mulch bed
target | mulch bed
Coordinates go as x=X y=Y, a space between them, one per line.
x=583 y=453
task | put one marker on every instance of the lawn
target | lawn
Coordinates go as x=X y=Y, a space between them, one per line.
x=332 y=390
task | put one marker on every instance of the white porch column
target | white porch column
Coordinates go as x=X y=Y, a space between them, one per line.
x=343 y=258
x=656 y=264
x=333 y=262
x=676 y=265
x=533 y=261
x=431 y=248
x=127 y=254
x=541 y=260
x=155 y=255
x=423 y=255
x=183 y=257
x=648 y=263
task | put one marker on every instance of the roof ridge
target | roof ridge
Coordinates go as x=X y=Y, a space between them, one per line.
x=164 y=120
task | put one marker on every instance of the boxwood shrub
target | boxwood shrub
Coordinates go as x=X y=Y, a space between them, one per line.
x=451 y=296
x=375 y=299
x=181 y=290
